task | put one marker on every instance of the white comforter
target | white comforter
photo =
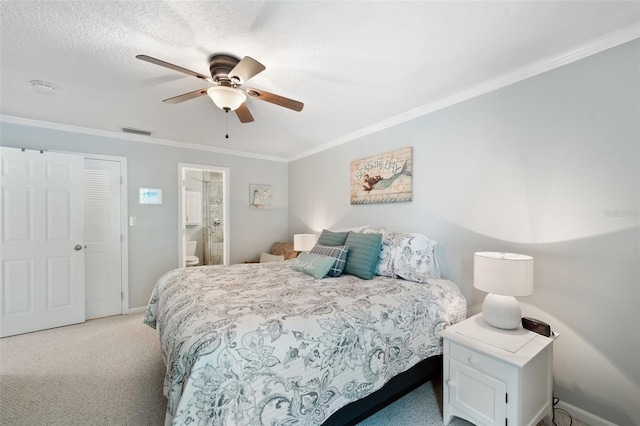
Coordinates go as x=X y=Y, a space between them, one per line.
x=255 y=344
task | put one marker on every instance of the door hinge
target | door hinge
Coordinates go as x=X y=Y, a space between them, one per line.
x=121 y=238
x=121 y=295
x=506 y=398
x=121 y=180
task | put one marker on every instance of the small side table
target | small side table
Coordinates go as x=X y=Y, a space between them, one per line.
x=496 y=377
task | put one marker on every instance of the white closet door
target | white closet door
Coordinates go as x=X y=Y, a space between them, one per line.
x=42 y=266
x=102 y=230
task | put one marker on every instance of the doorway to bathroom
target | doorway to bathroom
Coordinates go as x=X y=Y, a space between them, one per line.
x=203 y=215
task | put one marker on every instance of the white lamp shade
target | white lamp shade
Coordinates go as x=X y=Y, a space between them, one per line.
x=507 y=274
x=226 y=97
x=304 y=242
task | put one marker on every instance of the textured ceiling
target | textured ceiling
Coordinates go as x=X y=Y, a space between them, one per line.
x=355 y=65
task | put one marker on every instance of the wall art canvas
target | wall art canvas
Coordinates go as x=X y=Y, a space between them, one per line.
x=150 y=196
x=260 y=196
x=383 y=178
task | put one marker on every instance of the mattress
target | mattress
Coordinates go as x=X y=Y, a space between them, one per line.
x=263 y=344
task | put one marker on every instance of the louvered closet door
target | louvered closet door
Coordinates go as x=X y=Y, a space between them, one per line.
x=42 y=262
x=103 y=271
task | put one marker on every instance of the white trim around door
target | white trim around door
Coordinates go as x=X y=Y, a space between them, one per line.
x=124 y=229
x=182 y=169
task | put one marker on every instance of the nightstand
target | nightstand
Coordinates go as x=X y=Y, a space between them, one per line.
x=496 y=377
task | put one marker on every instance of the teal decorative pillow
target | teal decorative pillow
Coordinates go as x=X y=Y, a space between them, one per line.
x=339 y=253
x=364 y=251
x=313 y=264
x=328 y=238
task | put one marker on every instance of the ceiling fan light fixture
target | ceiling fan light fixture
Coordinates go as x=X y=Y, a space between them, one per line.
x=226 y=98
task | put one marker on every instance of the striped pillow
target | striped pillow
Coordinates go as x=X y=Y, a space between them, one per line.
x=364 y=252
x=337 y=252
x=328 y=238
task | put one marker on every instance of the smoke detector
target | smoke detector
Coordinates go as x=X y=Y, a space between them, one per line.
x=43 y=87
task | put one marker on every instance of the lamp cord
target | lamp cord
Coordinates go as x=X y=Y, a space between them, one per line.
x=553 y=420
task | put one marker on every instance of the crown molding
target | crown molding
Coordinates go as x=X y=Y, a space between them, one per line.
x=593 y=47
x=601 y=44
x=133 y=137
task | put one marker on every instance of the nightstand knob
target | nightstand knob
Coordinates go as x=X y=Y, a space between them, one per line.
x=451 y=383
x=473 y=361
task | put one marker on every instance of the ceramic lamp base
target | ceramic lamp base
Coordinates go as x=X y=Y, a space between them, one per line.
x=501 y=311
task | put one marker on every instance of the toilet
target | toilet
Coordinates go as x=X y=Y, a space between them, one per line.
x=191 y=258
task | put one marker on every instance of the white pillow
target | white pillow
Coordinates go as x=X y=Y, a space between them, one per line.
x=415 y=259
x=368 y=230
x=266 y=257
x=408 y=256
x=385 y=266
x=352 y=229
x=390 y=245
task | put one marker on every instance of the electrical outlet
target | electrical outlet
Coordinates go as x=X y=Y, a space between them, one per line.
x=133 y=220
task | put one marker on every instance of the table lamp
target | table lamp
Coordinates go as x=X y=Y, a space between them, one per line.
x=304 y=242
x=503 y=276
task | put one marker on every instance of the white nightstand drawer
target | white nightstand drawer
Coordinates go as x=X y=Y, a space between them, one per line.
x=478 y=361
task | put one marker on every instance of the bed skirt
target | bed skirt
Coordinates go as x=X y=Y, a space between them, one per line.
x=395 y=389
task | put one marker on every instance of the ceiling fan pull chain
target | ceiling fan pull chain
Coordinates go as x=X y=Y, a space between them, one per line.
x=226 y=110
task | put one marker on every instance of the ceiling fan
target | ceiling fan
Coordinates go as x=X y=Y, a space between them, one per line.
x=228 y=74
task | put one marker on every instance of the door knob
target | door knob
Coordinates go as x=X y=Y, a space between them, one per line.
x=77 y=247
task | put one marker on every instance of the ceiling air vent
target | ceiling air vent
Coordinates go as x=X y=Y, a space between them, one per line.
x=136 y=131
x=43 y=87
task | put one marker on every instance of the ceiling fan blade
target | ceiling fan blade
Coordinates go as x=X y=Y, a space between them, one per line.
x=172 y=67
x=246 y=68
x=244 y=114
x=275 y=99
x=185 y=97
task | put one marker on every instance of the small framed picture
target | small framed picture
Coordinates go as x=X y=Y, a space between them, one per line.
x=260 y=196
x=150 y=196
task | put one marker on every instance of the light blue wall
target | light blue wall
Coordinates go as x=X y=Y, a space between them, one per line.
x=153 y=244
x=547 y=167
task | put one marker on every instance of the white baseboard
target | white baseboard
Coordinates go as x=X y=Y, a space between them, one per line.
x=583 y=416
x=137 y=310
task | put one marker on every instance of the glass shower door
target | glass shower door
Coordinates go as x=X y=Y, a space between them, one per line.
x=213 y=234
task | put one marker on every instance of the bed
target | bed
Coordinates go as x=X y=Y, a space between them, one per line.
x=266 y=344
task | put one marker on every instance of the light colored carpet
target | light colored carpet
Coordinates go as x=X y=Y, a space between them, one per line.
x=109 y=371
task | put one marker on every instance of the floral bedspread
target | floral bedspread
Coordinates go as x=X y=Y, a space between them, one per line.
x=262 y=344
